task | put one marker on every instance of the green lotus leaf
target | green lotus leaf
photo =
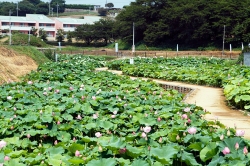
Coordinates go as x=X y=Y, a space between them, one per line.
x=123 y=162
x=134 y=151
x=90 y=126
x=209 y=151
x=67 y=117
x=15 y=154
x=13 y=140
x=75 y=147
x=14 y=162
x=54 y=150
x=165 y=154
x=63 y=136
x=188 y=158
x=105 y=124
x=139 y=162
x=148 y=121
x=102 y=162
x=46 y=118
x=76 y=161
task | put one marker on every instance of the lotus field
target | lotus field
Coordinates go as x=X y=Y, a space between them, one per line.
x=65 y=113
x=235 y=79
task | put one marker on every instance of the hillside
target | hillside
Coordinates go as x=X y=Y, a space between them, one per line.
x=14 y=64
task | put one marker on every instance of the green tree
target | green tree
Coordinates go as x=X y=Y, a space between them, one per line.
x=25 y=7
x=42 y=34
x=42 y=8
x=102 y=11
x=109 y=5
x=60 y=35
x=103 y=30
x=60 y=3
x=84 y=33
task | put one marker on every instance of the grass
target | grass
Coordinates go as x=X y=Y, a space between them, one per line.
x=32 y=52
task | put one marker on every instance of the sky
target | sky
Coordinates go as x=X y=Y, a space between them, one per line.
x=117 y=3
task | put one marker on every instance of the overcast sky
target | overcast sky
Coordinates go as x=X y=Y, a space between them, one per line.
x=117 y=3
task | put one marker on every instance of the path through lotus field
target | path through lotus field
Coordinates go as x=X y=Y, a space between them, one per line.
x=213 y=100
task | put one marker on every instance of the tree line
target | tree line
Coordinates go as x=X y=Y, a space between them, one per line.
x=194 y=23
x=31 y=7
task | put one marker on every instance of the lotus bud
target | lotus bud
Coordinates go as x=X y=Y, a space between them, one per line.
x=178 y=137
x=6 y=158
x=2 y=144
x=55 y=143
x=159 y=119
x=236 y=146
x=189 y=121
x=100 y=149
x=74 y=139
x=11 y=119
x=112 y=116
x=14 y=108
x=221 y=137
x=28 y=136
x=160 y=140
x=12 y=127
x=228 y=133
x=245 y=151
x=77 y=153
x=58 y=122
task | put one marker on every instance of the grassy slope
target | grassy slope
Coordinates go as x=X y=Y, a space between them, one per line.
x=32 y=52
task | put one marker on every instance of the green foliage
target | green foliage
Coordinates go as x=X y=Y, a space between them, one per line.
x=188 y=23
x=60 y=35
x=102 y=11
x=66 y=113
x=79 y=6
x=203 y=71
x=43 y=34
x=22 y=39
x=32 y=52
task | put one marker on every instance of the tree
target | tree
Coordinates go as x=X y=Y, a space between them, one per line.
x=103 y=30
x=109 y=5
x=85 y=33
x=42 y=8
x=34 y=31
x=60 y=35
x=26 y=8
x=60 y=3
x=42 y=34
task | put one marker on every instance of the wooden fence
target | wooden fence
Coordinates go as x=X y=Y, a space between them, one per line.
x=218 y=54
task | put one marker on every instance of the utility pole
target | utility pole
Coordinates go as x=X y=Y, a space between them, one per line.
x=10 y=28
x=17 y=9
x=52 y=11
x=57 y=9
x=223 y=40
x=133 y=46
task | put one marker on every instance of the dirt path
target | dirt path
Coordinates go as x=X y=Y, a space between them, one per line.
x=213 y=100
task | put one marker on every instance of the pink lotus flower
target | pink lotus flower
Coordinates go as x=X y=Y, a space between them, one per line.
x=71 y=88
x=226 y=150
x=28 y=136
x=49 y=88
x=93 y=97
x=245 y=151
x=45 y=93
x=98 y=134
x=192 y=130
x=6 y=158
x=122 y=150
x=95 y=116
x=147 y=129
x=58 y=122
x=240 y=133
x=184 y=116
x=143 y=135
x=77 y=153
x=57 y=91
x=9 y=97
x=187 y=109
x=189 y=121
x=55 y=143
x=237 y=146
x=30 y=82
x=2 y=144
x=113 y=116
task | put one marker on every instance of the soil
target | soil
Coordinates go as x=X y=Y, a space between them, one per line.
x=214 y=102
x=13 y=65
